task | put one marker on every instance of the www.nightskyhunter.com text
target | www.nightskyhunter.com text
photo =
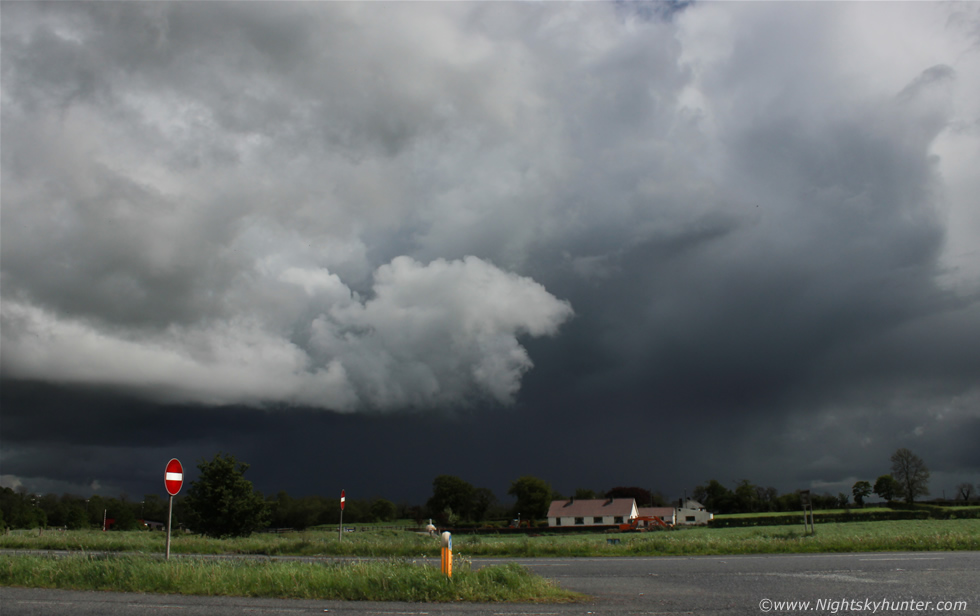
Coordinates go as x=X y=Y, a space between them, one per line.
x=867 y=606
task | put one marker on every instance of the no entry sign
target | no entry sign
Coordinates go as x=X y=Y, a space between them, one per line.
x=173 y=479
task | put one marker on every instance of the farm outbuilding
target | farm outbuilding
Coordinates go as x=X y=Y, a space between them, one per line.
x=692 y=512
x=668 y=515
x=591 y=512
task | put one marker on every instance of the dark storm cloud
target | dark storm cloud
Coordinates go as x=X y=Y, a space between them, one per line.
x=739 y=230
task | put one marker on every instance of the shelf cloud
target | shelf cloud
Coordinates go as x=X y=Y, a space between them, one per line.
x=429 y=336
x=748 y=230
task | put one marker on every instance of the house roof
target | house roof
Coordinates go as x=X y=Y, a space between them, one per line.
x=692 y=504
x=591 y=508
x=658 y=512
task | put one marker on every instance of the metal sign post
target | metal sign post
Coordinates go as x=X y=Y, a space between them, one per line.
x=807 y=506
x=170 y=516
x=173 y=480
x=343 y=499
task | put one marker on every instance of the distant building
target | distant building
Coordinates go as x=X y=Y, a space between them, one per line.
x=615 y=511
x=668 y=515
x=690 y=511
x=591 y=512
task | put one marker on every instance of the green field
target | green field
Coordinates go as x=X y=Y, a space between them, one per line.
x=898 y=535
x=799 y=514
x=131 y=561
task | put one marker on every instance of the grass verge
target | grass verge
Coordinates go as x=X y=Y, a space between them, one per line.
x=393 y=580
x=879 y=536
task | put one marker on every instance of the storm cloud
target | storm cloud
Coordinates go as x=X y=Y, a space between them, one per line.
x=747 y=228
x=430 y=335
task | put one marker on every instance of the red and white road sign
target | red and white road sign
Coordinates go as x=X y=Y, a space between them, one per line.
x=174 y=477
x=342 y=499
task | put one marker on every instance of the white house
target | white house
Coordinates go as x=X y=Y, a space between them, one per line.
x=591 y=512
x=692 y=512
x=614 y=511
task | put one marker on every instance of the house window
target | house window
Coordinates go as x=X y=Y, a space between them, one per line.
x=580 y=520
x=557 y=521
x=619 y=519
x=689 y=518
x=597 y=519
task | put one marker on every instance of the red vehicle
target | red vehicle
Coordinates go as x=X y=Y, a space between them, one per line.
x=645 y=522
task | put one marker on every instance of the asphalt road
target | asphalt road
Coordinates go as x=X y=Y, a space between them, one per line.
x=909 y=583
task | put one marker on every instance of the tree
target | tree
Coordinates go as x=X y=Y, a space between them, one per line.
x=911 y=474
x=715 y=497
x=122 y=512
x=964 y=491
x=533 y=497
x=483 y=500
x=383 y=510
x=76 y=518
x=766 y=497
x=861 y=490
x=746 y=497
x=48 y=503
x=153 y=508
x=789 y=502
x=222 y=503
x=887 y=488
x=288 y=512
x=96 y=509
x=451 y=492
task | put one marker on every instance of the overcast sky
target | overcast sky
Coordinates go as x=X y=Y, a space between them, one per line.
x=359 y=245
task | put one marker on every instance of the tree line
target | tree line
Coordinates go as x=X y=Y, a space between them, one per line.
x=907 y=481
x=21 y=509
x=221 y=502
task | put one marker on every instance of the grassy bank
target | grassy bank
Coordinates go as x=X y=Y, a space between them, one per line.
x=914 y=535
x=375 y=543
x=357 y=581
x=849 y=516
x=852 y=537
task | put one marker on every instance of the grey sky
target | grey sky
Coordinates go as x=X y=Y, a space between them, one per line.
x=727 y=239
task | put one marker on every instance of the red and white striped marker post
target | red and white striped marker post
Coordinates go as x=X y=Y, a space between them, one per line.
x=173 y=480
x=343 y=499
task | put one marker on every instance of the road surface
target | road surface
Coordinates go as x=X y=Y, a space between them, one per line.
x=908 y=583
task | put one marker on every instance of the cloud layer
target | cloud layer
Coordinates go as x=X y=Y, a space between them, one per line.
x=763 y=215
x=431 y=336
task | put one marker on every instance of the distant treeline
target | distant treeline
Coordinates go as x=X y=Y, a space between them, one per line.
x=454 y=501
x=19 y=509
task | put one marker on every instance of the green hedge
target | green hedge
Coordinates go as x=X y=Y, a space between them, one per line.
x=920 y=513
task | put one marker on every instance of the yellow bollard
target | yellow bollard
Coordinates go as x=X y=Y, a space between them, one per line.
x=447 y=554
